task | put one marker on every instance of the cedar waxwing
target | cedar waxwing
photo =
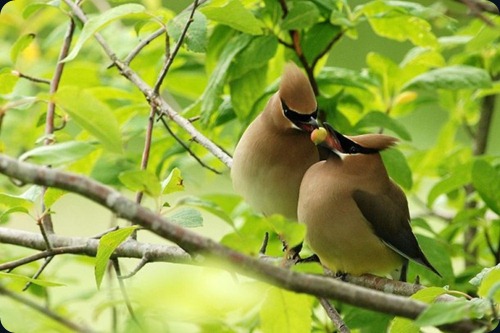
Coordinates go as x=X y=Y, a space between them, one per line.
x=276 y=150
x=357 y=218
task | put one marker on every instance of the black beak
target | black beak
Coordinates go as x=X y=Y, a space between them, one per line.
x=337 y=142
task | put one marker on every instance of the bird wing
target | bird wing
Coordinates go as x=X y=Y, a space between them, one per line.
x=390 y=222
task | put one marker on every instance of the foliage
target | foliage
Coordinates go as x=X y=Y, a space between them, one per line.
x=436 y=98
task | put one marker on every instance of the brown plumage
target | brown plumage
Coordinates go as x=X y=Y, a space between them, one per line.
x=275 y=151
x=357 y=218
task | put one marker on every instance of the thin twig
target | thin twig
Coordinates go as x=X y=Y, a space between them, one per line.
x=45 y=311
x=31 y=78
x=46 y=225
x=171 y=55
x=123 y=290
x=56 y=79
x=43 y=226
x=99 y=235
x=334 y=316
x=135 y=51
x=186 y=147
x=147 y=148
x=38 y=272
x=144 y=261
x=327 y=48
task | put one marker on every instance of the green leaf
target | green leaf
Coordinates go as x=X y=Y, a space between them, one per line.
x=456 y=180
x=362 y=320
x=20 y=45
x=58 y=153
x=32 y=193
x=339 y=18
x=186 y=217
x=255 y=55
x=397 y=167
x=210 y=100
x=479 y=277
x=9 y=200
x=400 y=324
x=173 y=183
x=490 y=284
x=107 y=245
x=381 y=119
x=429 y=294
x=249 y=237
x=285 y=311
x=438 y=253
x=196 y=35
x=209 y=206
x=24 y=279
x=233 y=14
x=318 y=38
x=246 y=90
x=4 y=216
x=7 y=81
x=443 y=313
x=52 y=195
x=394 y=23
x=486 y=179
x=32 y=8
x=301 y=15
x=141 y=180
x=451 y=78
x=385 y=68
x=424 y=56
x=98 y=22
x=291 y=233
x=92 y=115
x=344 y=77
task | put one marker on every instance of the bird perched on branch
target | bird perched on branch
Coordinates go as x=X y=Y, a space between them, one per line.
x=357 y=218
x=275 y=150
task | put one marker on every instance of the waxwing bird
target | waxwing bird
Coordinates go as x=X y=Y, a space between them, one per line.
x=357 y=218
x=276 y=150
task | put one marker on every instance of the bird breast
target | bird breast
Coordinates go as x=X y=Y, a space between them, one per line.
x=268 y=166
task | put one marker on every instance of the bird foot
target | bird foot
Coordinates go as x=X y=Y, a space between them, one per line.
x=313 y=258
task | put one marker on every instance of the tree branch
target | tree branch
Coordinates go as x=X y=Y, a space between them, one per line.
x=207 y=248
x=154 y=100
x=171 y=55
x=88 y=247
x=334 y=316
x=478 y=8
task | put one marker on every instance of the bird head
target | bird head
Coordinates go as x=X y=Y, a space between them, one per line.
x=329 y=138
x=298 y=103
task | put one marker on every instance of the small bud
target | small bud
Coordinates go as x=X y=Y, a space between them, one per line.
x=15 y=73
x=405 y=97
x=318 y=135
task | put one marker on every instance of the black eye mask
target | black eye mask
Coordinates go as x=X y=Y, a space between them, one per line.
x=349 y=146
x=296 y=117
